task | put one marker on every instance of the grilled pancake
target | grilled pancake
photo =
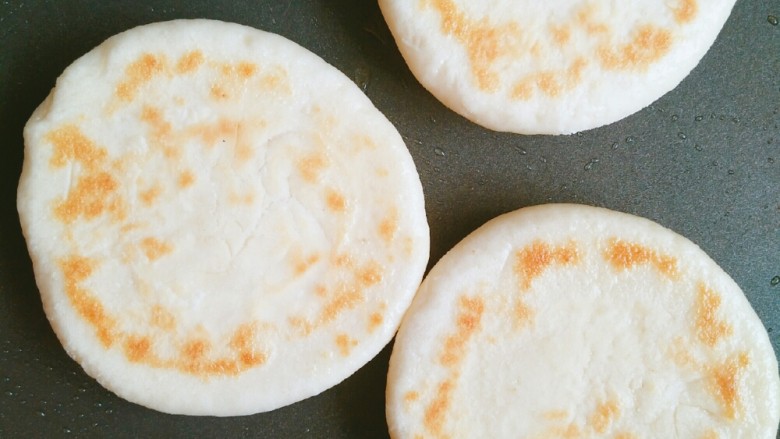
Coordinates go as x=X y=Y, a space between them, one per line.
x=220 y=222
x=552 y=67
x=566 y=321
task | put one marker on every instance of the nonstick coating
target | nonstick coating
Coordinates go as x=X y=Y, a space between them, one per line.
x=704 y=160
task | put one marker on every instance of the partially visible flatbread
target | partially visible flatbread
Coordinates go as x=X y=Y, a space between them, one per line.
x=566 y=321
x=556 y=66
x=220 y=222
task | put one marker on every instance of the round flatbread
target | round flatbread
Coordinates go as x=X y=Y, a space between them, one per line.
x=564 y=321
x=220 y=222
x=552 y=67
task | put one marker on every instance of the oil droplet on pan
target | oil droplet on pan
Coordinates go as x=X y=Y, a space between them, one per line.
x=772 y=20
x=590 y=164
x=775 y=281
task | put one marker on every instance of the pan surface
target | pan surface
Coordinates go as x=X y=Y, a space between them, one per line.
x=703 y=160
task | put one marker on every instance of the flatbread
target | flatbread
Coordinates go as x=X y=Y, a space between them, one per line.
x=563 y=321
x=220 y=222
x=552 y=67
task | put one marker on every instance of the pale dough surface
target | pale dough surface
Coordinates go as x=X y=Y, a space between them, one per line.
x=220 y=222
x=555 y=66
x=565 y=321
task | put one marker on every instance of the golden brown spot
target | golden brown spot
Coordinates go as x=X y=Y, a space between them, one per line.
x=555 y=415
x=467 y=323
x=382 y=172
x=137 y=348
x=625 y=255
x=139 y=73
x=345 y=299
x=193 y=354
x=303 y=265
x=524 y=315
x=218 y=92
x=585 y=20
x=244 y=151
x=238 y=199
x=411 y=396
x=388 y=226
x=76 y=269
x=345 y=344
x=186 y=179
x=483 y=43
x=242 y=342
x=149 y=196
x=533 y=260
x=436 y=412
x=523 y=90
x=303 y=326
x=162 y=318
x=710 y=434
x=90 y=198
x=561 y=34
x=606 y=413
x=548 y=84
x=724 y=383
x=71 y=144
x=375 y=321
x=189 y=62
x=153 y=116
x=275 y=81
x=311 y=166
x=246 y=69
x=154 y=248
x=211 y=134
x=709 y=329
x=335 y=201
x=365 y=142
x=575 y=70
x=648 y=45
x=685 y=11
x=369 y=275
x=570 y=431
x=343 y=260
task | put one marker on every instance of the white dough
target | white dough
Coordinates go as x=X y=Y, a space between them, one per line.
x=565 y=321
x=555 y=66
x=220 y=222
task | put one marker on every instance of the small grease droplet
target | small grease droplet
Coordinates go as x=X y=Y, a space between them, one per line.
x=730 y=172
x=775 y=281
x=615 y=145
x=362 y=77
x=439 y=152
x=66 y=430
x=675 y=118
x=590 y=164
x=772 y=20
x=698 y=147
x=630 y=139
x=682 y=135
x=521 y=150
x=699 y=118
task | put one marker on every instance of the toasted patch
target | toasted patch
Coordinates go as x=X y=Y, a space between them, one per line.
x=197 y=212
x=567 y=321
x=552 y=67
